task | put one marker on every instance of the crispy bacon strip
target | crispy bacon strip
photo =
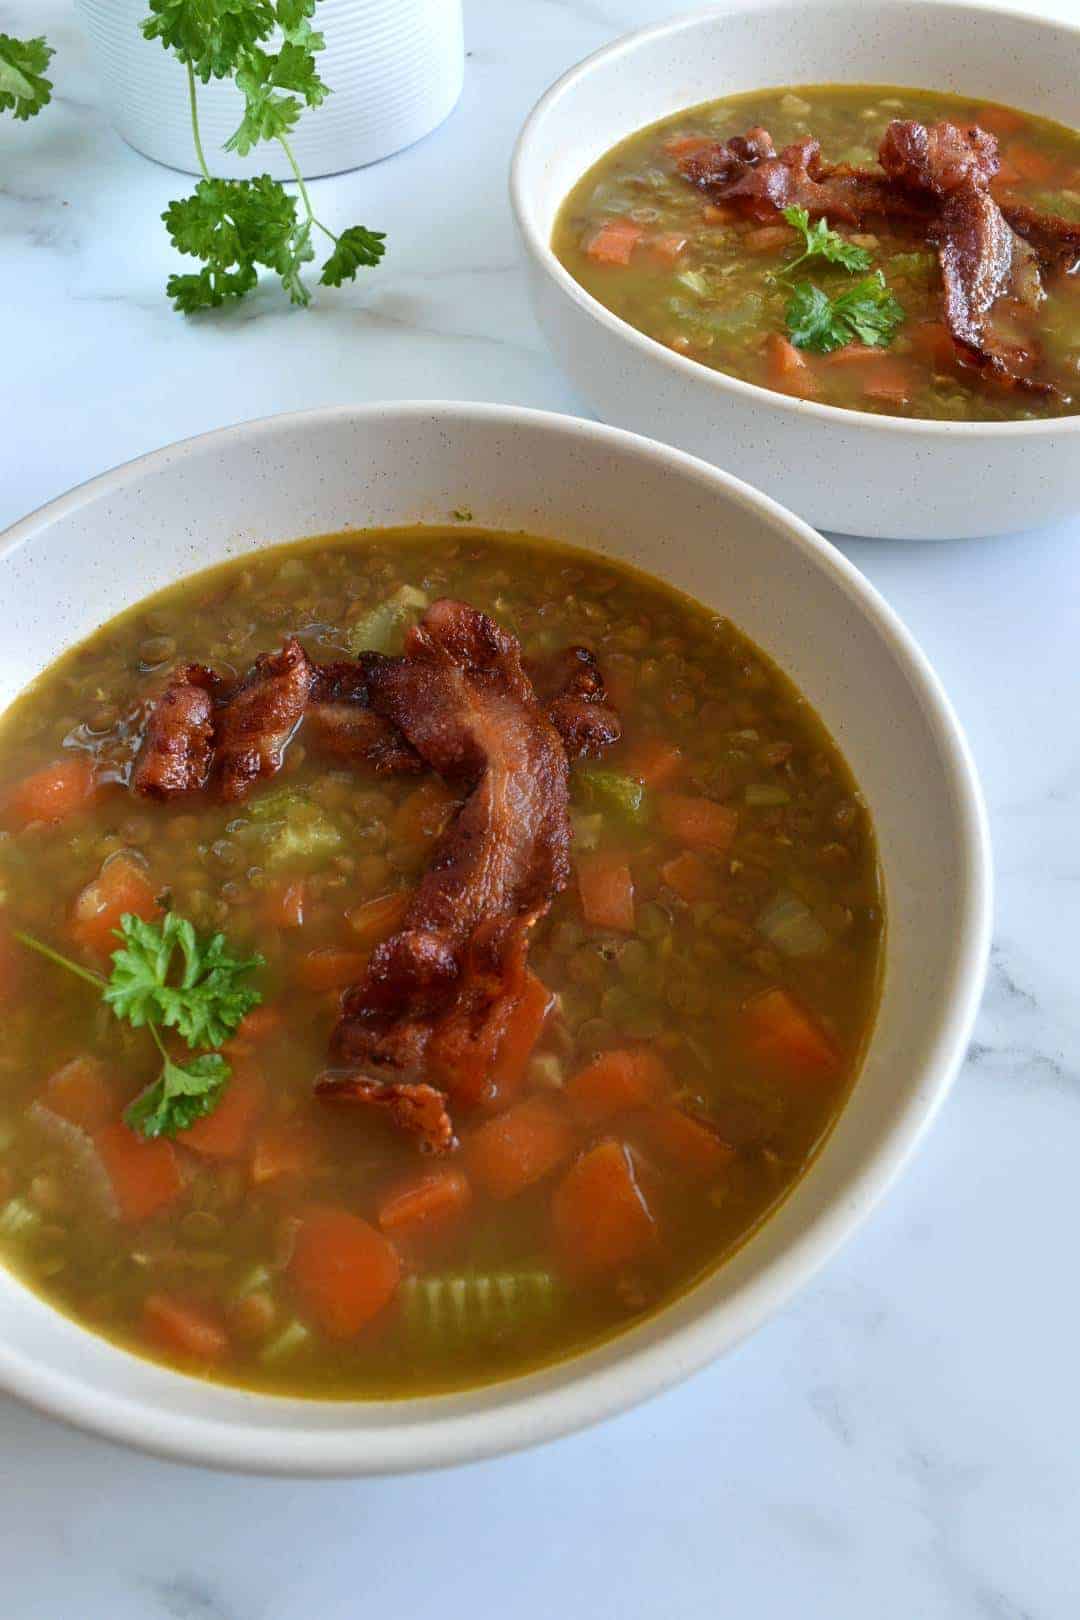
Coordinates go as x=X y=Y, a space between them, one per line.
x=437 y=996
x=254 y=727
x=418 y=1110
x=1055 y=240
x=178 y=747
x=345 y=725
x=572 y=688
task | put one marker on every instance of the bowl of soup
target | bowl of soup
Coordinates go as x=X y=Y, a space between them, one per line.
x=488 y=904
x=830 y=248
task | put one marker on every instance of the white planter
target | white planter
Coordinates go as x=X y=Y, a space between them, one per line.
x=394 y=67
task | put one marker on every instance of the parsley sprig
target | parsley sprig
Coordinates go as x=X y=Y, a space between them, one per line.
x=24 y=89
x=821 y=242
x=866 y=313
x=236 y=226
x=167 y=976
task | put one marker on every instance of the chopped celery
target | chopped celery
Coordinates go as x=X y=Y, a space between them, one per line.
x=546 y=1070
x=18 y=1218
x=614 y=791
x=295 y=826
x=381 y=628
x=257 y=1278
x=286 y=1344
x=454 y=1308
x=696 y=280
x=914 y=266
x=765 y=794
x=275 y=804
x=587 y=828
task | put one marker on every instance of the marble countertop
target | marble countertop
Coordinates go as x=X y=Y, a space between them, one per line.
x=902 y=1442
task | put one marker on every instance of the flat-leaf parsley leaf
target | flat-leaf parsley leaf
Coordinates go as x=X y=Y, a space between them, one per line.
x=24 y=89
x=821 y=242
x=864 y=313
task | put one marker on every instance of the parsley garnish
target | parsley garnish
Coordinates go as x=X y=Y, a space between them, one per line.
x=864 y=313
x=24 y=89
x=166 y=976
x=234 y=226
x=820 y=242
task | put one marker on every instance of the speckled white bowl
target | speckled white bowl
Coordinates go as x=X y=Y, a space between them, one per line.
x=99 y=549
x=852 y=472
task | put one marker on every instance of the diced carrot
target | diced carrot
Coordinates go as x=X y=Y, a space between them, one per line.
x=518 y=1147
x=607 y=891
x=283 y=905
x=768 y=238
x=686 y=145
x=184 y=1328
x=718 y=214
x=781 y=1034
x=1000 y=120
x=853 y=354
x=423 y=815
x=787 y=369
x=226 y=1132
x=331 y=968
x=284 y=1147
x=893 y=382
x=599 y=1213
x=691 y=1144
x=668 y=246
x=932 y=342
x=343 y=1271
x=52 y=793
x=699 y=823
x=654 y=762
x=80 y=1093
x=121 y=886
x=145 y=1175
x=425 y=1202
x=617 y=1081
x=520 y=1037
x=377 y=919
x=690 y=878
x=1027 y=163
x=614 y=241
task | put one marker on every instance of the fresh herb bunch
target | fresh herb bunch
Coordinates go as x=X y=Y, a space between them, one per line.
x=866 y=313
x=821 y=242
x=166 y=976
x=24 y=89
x=234 y=226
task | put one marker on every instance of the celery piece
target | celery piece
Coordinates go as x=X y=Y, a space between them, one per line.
x=256 y=1279
x=587 y=828
x=295 y=827
x=454 y=1308
x=18 y=1219
x=696 y=280
x=381 y=628
x=614 y=791
x=285 y=1345
x=766 y=794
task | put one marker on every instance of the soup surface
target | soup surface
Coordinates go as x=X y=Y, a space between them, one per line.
x=670 y=231
x=699 y=992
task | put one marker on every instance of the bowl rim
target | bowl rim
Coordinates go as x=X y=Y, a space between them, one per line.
x=521 y=1416
x=753 y=394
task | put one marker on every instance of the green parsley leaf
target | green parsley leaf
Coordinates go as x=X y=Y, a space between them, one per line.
x=268 y=115
x=822 y=243
x=180 y=1095
x=210 y=35
x=234 y=225
x=865 y=313
x=355 y=248
x=203 y=1003
x=24 y=90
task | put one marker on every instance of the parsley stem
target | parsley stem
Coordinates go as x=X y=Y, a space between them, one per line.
x=47 y=951
x=199 y=153
x=295 y=167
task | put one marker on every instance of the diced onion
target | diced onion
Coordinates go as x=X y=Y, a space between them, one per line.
x=792 y=927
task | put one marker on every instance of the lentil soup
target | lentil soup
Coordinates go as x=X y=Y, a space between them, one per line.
x=684 y=231
x=696 y=1001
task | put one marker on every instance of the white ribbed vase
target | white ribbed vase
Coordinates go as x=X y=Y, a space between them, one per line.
x=395 y=68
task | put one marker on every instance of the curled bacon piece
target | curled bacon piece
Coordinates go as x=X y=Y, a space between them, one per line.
x=254 y=727
x=572 y=688
x=178 y=748
x=437 y=996
x=344 y=724
x=418 y=1110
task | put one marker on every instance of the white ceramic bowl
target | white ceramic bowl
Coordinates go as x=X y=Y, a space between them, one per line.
x=856 y=473
x=394 y=67
x=97 y=550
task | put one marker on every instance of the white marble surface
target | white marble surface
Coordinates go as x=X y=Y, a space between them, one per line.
x=904 y=1441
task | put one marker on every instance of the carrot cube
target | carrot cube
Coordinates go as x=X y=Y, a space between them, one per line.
x=518 y=1147
x=600 y=1216
x=342 y=1270
x=617 y=1081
